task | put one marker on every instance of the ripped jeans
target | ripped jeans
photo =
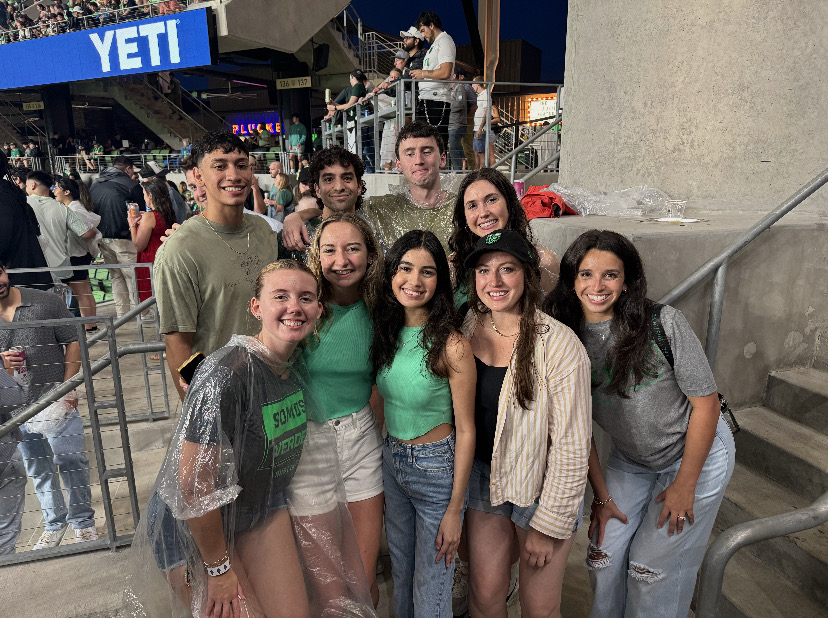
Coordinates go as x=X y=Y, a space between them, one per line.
x=640 y=570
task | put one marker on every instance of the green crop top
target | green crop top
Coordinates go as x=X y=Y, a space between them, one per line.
x=339 y=362
x=415 y=400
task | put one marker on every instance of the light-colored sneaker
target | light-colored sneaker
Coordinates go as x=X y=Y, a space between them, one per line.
x=50 y=538
x=514 y=585
x=460 y=588
x=86 y=534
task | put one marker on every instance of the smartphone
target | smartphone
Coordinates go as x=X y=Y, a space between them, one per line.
x=188 y=368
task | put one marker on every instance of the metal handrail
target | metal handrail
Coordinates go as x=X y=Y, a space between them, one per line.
x=719 y=263
x=735 y=538
x=404 y=108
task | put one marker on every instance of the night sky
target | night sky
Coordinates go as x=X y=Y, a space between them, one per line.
x=543 y=24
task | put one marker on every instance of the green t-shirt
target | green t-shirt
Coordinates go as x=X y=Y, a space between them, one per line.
x=204 y=279
x=339 y=361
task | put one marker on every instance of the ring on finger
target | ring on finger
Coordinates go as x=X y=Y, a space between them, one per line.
x=681 y=517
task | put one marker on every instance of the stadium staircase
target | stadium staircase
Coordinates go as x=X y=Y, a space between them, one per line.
x=155 y=111
x=781 y=465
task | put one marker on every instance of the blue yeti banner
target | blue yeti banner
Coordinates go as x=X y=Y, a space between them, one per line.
x=144 y=46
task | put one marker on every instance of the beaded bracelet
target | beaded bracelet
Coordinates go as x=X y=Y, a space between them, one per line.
x=220 y=569
x=602 y=503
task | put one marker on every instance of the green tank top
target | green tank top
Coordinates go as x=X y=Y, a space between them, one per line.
x=415 y=400
x=339 y=362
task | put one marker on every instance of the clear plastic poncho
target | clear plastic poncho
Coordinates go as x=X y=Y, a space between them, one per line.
x=252 y=444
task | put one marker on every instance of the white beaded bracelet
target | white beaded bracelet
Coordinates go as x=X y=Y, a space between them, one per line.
x=602 y=503
x=215 y=571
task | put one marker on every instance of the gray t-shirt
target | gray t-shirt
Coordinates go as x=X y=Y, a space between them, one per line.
x=649 y=428
x=43 y=344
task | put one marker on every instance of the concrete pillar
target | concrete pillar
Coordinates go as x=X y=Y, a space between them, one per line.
x=57 y=110
x=702 y=99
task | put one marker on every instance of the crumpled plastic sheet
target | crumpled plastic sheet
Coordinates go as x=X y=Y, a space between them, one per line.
x=640 y=201
x=253 y=444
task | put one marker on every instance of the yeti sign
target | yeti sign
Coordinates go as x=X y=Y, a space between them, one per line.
x=158 y=44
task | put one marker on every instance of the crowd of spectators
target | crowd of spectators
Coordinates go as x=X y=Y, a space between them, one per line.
x=58 y=17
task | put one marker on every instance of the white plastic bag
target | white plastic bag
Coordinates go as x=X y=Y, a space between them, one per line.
x=49 y=420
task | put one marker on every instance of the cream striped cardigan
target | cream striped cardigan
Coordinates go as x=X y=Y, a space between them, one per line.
x=543 y=451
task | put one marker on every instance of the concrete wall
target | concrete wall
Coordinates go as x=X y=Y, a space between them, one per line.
x=702 y=99
x=776 y=298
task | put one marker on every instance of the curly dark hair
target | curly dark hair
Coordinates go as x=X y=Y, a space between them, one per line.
x=336 y=155
x=417 y=128
x=529 y=329
x=463 y=240
x=632 y=354
x=220 y=139
x=390 y=315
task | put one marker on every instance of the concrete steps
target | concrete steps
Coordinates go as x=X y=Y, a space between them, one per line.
x=802 y=557
x=782 y=465
x=801 y=395
x=790 y=453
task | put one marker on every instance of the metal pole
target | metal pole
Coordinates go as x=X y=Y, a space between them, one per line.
x=748 y=533
x=767 y=221
x=489 y=88
x=95 y=428
x=128 y=472
x=714 y=320
x=539 y=168
x=376 y=138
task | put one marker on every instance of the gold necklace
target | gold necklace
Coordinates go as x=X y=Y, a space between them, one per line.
x=491 y=319
x=225 y=242
x=407 y=341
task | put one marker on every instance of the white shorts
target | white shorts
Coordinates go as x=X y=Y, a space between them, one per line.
x=359 y=447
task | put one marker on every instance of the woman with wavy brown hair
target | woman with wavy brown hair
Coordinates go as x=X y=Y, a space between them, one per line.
x=533 y=423
x=346 y=259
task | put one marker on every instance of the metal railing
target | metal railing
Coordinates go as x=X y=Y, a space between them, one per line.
x=736 y=537
x=95 y=406
x=349 y=25
x=377 y=54
x=336 y=130
x=741 y=535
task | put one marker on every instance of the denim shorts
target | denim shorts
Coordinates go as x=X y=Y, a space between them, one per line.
x=479 y=145
x=480 y=499
x=168 y=538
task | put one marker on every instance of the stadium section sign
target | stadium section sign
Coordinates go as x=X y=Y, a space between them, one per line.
x=148 y=45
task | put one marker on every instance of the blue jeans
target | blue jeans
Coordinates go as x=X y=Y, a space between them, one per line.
x=12 y=494
x=418 y=480
x=62 y=448
x=640 y=570
x=456 y=154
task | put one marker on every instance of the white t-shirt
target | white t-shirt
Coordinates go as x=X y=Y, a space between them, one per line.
x=442 y=50
x=482 y=107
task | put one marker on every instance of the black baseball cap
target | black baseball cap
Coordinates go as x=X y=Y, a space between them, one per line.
x=304 y=176
x=508 y=241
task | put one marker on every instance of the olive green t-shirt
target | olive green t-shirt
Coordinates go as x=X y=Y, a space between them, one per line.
x=204 y=279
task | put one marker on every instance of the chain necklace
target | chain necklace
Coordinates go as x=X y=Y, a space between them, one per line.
x=227 y=243
x=491 y=320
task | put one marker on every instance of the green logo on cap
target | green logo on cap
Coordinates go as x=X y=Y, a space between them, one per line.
x=492 y=238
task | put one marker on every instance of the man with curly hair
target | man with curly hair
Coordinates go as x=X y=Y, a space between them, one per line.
x=419 y=203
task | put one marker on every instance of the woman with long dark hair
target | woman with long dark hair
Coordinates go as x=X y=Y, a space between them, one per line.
x=487 y=202
x=426 y=375
x=81 y=251
x=533 y=422
x=346 y=259
x=147 y=229
x=672 y=454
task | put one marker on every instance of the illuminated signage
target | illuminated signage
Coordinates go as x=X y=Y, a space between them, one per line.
x=541 y=108
x=33 y=106
x=293 y=82
x=248 y=123
x=158 y=44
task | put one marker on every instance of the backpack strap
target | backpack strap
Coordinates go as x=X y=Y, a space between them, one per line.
x=657 y=333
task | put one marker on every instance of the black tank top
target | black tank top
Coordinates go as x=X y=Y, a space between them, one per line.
x=487 y=392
